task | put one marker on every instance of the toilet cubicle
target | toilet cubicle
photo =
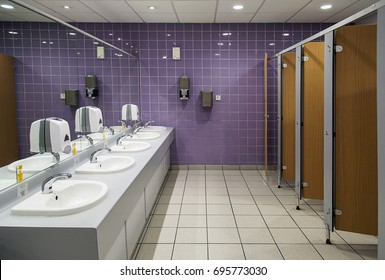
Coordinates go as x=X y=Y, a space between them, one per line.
x=307 y=162
x=330 y=137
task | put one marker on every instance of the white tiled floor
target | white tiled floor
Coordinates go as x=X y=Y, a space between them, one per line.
x=240 y=214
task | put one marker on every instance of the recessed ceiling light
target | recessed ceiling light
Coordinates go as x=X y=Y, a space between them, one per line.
x=326 y=7
x=285 y=34
x=272 y=44
x=13 y=32
x=238 y=7
x=5 y=6
x=151 y=7
x=66 y=7
x=72 y=33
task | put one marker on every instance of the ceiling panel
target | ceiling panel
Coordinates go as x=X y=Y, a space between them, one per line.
x=195 y=7
x=198 y=11
x=358 y=6
x=223 y=18
x=279 y=6
x=271 y=17
x=196 y=18
x=86 y=17
x=140 y=7
x=250 y=6
x=58 y=5
x=312 y=12
x=117 y=11
x=159 y=18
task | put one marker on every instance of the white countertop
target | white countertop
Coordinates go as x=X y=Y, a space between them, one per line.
x=118 y=184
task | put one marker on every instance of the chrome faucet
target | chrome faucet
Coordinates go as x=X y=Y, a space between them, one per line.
x=119 y=139
x=147 y=123
x=56 y=157
x=46 y=186
x=111 y=130
x=89 y=139
x=94 y=155
x=136 y=130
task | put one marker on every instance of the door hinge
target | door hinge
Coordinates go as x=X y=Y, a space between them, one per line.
x=284 y=65
x=284 y=167
x=337 y=212
x=304 y=184
x=305 y=58
x=338 y=48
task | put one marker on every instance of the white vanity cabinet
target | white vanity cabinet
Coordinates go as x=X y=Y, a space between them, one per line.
x=109 y=230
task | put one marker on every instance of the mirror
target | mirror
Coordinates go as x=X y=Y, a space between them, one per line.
x=51 y=57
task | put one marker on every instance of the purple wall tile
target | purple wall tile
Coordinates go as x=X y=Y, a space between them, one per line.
x=230 y=65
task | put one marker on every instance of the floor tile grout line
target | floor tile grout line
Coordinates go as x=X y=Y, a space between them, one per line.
x=180 y=211
x=268 y=228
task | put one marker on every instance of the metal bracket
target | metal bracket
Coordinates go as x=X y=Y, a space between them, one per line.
x=337 y=212
x=305 y=58
x=304 y=184
x=338 y=48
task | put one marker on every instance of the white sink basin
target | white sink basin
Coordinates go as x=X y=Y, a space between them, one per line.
x=5 y=183
x=68 y=197
x=130 y=146
x=153 y=128
x=144 y=136
x=106 y=165
x=35 y=163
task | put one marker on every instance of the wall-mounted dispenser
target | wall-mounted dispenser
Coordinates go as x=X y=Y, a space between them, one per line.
x=130 y=112
x=91 y=86
x=50 y=135
x=184 y=87
x=72 y=97
x=88 y=119
x=207 y=99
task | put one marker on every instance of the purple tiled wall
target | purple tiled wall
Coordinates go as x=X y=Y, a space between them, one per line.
x=224 y=58
x=49 y=60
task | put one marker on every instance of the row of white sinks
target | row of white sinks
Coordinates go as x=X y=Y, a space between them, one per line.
x=73 y=196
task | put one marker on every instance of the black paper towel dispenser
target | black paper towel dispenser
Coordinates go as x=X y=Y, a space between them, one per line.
x=207 y=99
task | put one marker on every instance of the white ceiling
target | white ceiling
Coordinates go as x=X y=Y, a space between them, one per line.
x=195 y=11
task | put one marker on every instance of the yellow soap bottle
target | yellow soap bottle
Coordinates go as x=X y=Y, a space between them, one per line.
x=74 y=149
x=19 y=173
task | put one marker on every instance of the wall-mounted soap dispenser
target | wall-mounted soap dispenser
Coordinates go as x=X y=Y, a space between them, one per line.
x=184 y=87
x=88 y=119
x=91 y=86
x=50 y=135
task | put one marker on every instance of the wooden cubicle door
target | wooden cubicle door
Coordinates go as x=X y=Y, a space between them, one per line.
x=9 y=143
x=356 y=129
x=313 y=120
x=288 y=116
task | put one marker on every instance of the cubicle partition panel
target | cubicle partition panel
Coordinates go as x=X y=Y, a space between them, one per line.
x=288 y=116
x=313 y=119
x=356 y=129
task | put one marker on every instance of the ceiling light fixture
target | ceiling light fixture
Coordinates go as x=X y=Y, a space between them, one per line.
x=9 y=7
x=13 y=32
x=151 y=7
x=238 y=7
x=66 y=7
x=285 y=34
x=326 y=7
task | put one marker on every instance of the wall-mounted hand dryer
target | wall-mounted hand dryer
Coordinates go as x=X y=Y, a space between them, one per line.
x=88 y=119
x=50 y=135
